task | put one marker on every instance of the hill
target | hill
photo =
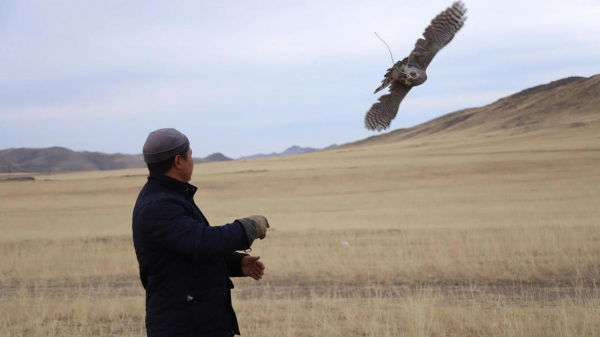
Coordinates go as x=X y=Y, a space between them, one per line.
x=573 y=101
x=215 y=157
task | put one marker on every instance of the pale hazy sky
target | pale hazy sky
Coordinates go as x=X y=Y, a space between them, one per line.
x=242 y=77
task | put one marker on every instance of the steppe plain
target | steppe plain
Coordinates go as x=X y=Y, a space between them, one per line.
x=487 y=233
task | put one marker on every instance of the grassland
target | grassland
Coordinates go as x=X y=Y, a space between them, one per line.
x=457 y=235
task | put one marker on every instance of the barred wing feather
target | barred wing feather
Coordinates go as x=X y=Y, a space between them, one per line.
x=437 y=35
x=381 y=113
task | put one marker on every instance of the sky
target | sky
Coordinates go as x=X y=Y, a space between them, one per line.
x=246 y=77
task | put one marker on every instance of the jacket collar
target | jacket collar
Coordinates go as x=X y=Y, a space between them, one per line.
x=183 y=188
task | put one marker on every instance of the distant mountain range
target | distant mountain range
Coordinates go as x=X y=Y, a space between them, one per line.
x=60 y=159
x=288 y=152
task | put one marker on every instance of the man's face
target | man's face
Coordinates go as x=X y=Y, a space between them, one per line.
x=187 y=166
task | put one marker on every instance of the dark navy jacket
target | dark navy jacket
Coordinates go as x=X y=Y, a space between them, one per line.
x=185 y=264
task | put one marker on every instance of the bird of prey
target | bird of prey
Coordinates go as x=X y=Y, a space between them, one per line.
x=410 y=72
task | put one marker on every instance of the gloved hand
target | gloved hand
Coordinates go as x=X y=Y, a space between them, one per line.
x=255 y=227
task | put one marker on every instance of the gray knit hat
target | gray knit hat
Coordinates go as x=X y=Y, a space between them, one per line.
x=163 y=144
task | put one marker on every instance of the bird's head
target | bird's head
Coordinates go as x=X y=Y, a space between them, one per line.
x=413 y=73
x=414 y=76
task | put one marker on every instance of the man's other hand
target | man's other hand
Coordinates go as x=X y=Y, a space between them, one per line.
x=252 y=267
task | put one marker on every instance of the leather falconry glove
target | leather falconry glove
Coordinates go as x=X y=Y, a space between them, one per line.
x=255 y=226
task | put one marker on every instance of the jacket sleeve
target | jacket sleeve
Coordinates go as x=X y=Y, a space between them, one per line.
x=171 y=227
x=234 y=264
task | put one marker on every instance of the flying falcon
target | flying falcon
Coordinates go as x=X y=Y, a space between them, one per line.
x=410 y=72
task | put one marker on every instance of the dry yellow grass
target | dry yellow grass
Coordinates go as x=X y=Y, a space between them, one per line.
x=424 y=313
x=448 y=236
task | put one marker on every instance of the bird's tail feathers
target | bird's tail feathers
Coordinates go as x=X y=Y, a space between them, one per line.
x=385 y=83
x=387 y=80
x=391 y=75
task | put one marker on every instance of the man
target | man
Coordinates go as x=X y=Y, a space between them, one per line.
x=185 y=263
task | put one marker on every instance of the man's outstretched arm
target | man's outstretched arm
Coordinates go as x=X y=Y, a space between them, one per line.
x=170 y=226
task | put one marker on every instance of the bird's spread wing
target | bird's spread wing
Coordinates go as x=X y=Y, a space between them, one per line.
x=439 y=33
x=381 y=113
